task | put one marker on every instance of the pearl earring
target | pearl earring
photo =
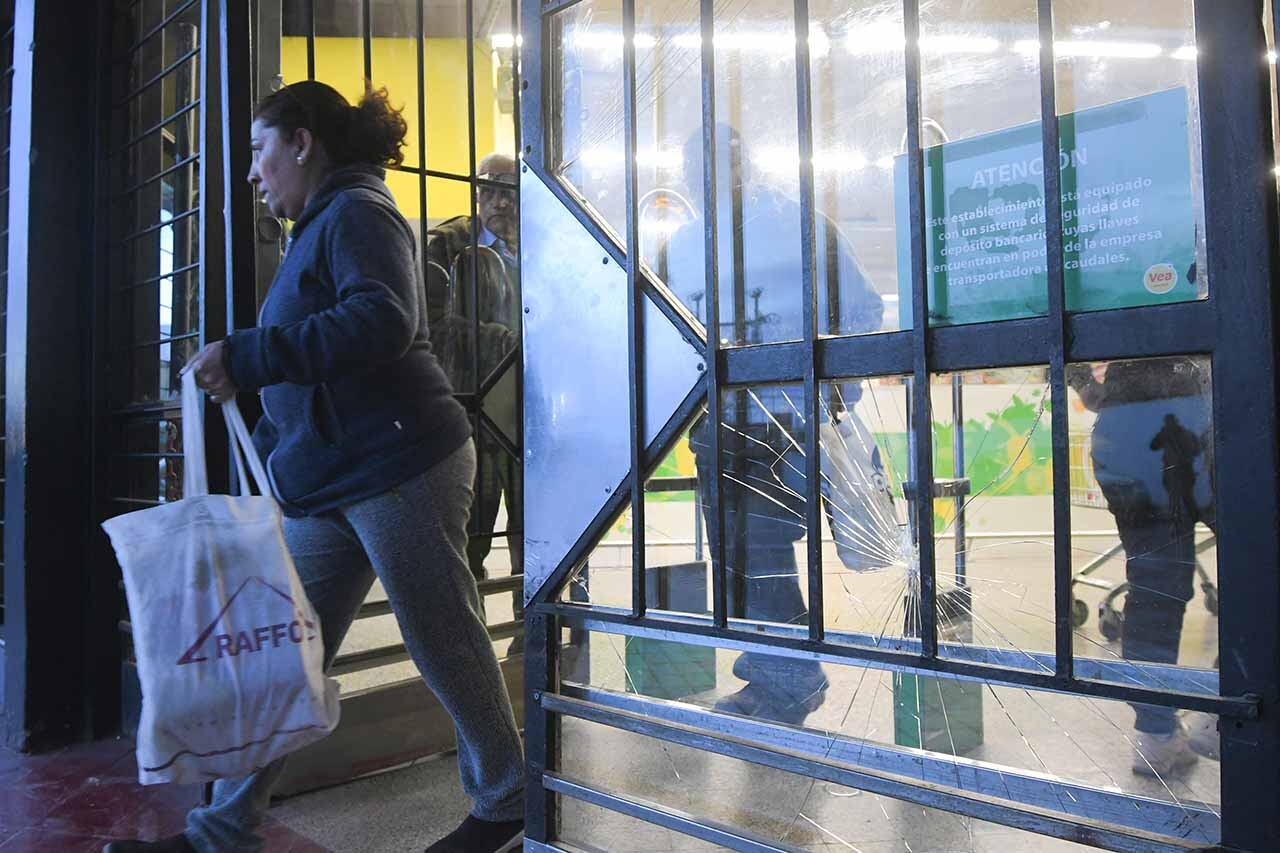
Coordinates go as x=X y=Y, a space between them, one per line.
x=300 y=158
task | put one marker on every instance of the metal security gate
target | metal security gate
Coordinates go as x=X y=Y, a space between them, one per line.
x=714 y=213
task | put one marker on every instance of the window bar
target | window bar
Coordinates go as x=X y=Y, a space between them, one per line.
x=922 y=419
x=185 y=161
x=186 y=214
x=473 y=277
x=168 y=19
x=635 y=316
x=141 y=137
x=422 y=136
x=311 y=39
x=812 y=401
x=1050 y=136
x=715 y=489
x=366 y=12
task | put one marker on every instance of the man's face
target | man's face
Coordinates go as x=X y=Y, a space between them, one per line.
x=497 y=204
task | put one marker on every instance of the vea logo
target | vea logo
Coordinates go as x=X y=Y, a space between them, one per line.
x=229 y=644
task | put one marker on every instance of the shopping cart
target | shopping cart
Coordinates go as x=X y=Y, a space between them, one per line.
x=1085 y=492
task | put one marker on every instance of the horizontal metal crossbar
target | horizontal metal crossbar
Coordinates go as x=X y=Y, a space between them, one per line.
x=164 y=22
x=158 y=126
x=904 y=655
x=163 y=73
x=1181 y=820
x=912 y=791
x=397 y=653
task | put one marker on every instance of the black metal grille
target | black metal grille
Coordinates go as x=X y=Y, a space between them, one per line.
x=6 y=93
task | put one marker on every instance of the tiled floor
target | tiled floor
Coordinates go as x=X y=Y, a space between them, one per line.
x=74 y=800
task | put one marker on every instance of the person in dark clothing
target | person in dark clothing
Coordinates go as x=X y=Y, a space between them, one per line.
x=1152 y=458
x=367 y=451
x=450 y=257
x=761 y=268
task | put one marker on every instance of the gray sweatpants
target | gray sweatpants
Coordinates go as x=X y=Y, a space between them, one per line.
x=412 y=538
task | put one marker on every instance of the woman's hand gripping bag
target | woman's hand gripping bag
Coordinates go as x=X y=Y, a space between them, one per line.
x=230 y=656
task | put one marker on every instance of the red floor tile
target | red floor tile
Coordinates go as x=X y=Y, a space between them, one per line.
x=120 y=808
x=39 y=841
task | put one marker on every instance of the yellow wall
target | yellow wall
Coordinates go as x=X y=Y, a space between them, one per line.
x=340 y=63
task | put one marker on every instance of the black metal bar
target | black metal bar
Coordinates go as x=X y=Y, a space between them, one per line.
x=663 y=816
x=166 y=21
x=1241 y=224
x=186 y=161
x=170 y=407
x=511 y=357
x=157 y=278
x=473 y=272
x=156 y=227
x=809 y=293
x=176 y=114
x=311 y=39
x=169 y=340
x=794 y=644
x=671 y=484
x=1064 y=655
x=557 y=6
x=889 y=786
x=420 y=49
x=635 y=312
x=496 y=433
x=366 y=14
x=921 y=411
x=165 y=72
x=541 y=728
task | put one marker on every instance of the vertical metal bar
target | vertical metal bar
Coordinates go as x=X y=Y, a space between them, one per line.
x=473 y=283
x=541 y=667
x=711 y=242
x=635 y=333
x=422 y=134
x=1050 y=141
x=812 y=403
x=958 y=471
x=1241 y=224
x=311 y=39
x=366 y=14
x=921 y=413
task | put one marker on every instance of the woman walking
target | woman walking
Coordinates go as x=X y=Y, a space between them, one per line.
x=369 y=455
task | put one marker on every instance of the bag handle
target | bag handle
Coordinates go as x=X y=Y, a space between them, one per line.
x=195 y=475
x=242 y=449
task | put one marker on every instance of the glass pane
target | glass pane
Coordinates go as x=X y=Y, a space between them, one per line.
x=1045 y=750
x=983 y=195
x=449 y=284
x=757 y=166
x=395 y=64
x=586 y=107
x=495 y=76
x=857 y=61
x=784 y=807
x=1132 y=204
x=581 y=824
x=993 y=516
x=868 y=560
x=339 y=48
x=1144 y=523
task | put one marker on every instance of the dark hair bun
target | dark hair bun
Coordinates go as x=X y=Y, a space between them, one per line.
x=376 y=130
x=371 y=131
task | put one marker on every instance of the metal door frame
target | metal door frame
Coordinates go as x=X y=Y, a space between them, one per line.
x=1235 y=326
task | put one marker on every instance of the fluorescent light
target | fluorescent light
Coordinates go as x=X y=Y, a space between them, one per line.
x=1186 y=53
x=604 y=157
x=959 y=44
x=609 y=40
x=1094 y=48
x=785 y=161
x=882 y=37
x=504 y=41
x=1271 y=57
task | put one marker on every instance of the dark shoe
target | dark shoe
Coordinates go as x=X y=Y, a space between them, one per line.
x=172 y=844
x=481 y=836
x=755 y=702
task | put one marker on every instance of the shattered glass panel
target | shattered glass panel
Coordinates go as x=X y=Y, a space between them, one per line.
x=581 y=824
x=993 y=516
x=768 y=804
x=1144 y=522
x=763 y=488
x=869 y=559
x=1074 y=755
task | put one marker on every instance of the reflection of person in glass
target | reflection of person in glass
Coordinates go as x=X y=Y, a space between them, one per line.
x=761 y=268
x=449 y=257
x=1153 y=459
